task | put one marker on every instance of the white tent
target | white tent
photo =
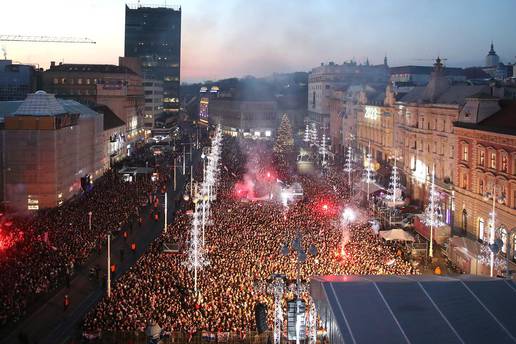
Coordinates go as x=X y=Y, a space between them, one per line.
x=396 y=234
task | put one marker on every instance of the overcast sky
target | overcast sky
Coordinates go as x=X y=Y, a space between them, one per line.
x=227 y=38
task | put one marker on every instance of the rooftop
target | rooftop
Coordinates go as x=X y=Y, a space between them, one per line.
x=424 y=70
x=419 y=308
x=44 y=104
x=503 y=121
x=90 y=68
x=40 y=103
x=153 y=6
x=454 y=94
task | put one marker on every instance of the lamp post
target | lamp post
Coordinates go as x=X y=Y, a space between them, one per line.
x=89 y=220
x=166 y=213
x=108 y=266
x=175 y=172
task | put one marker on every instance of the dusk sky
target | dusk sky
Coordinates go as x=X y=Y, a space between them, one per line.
x=227 y=38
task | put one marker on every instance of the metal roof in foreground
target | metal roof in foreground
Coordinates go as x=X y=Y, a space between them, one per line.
x=416 y=309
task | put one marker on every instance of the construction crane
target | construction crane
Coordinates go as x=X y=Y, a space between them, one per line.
x=45 y=39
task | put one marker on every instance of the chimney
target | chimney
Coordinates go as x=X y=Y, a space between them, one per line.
x=52 y=64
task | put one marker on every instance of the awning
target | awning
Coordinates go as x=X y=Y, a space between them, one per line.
x=373 y=187
x=396 y=234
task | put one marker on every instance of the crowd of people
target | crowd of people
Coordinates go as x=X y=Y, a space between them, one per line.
x=243 y=247
x=42 y=251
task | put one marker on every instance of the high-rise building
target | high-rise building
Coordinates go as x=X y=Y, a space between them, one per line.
x=153 y=34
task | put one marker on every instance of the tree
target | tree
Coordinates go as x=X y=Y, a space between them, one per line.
x=284 y=139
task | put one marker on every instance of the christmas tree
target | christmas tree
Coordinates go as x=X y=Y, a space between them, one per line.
x=284 y=139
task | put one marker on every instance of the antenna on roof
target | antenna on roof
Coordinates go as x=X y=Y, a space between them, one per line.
x=5 y=52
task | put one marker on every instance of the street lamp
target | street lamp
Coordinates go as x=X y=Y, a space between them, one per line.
x=89 y=220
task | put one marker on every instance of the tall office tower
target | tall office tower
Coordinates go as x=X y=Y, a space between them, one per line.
x=153 y=34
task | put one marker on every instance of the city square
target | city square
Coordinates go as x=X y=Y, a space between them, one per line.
x=181 y=179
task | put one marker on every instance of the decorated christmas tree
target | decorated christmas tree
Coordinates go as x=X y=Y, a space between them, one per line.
x=284 y=139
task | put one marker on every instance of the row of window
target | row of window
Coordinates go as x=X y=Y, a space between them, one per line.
x=437 y=124
x=72 y=81
x=485 y=187
x=489 y=158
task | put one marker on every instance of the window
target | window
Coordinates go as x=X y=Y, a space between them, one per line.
x=313 y=99
x=504 y=164
x=79 y=81
x=481 y=229
x=481 y=187
x=464 y=181
x=502 y=234
x=482 y=158
x=55 y=81
x=88 y=81
x=493 y=160
x=513 y=250
x=465 y=152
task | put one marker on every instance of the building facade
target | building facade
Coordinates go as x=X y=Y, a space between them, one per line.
x=486 y=166
x=376 y=131
x=248 y=118
x=118 y=87
x=153 y=34
x=325 y=79
x=425 y=137
x=153 y=89
x=48 y=145
x=16 y=80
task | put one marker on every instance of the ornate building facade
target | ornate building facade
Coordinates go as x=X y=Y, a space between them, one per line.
x=486 y=166
x=425 y=136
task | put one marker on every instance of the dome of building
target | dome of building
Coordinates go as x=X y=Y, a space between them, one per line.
x=40 y=103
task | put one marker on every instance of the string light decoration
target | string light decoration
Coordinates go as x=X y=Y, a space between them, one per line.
x=368 y=170
x=308 y=134
x=196 y=256
x=323 y=150
x=393 y=198
x=314 y=137
x=197 y=259
x=312 y=323
x=348 y=166
x=433 y=215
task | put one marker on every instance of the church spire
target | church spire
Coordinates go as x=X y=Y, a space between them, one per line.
x=385 y=60
x=492 y=52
